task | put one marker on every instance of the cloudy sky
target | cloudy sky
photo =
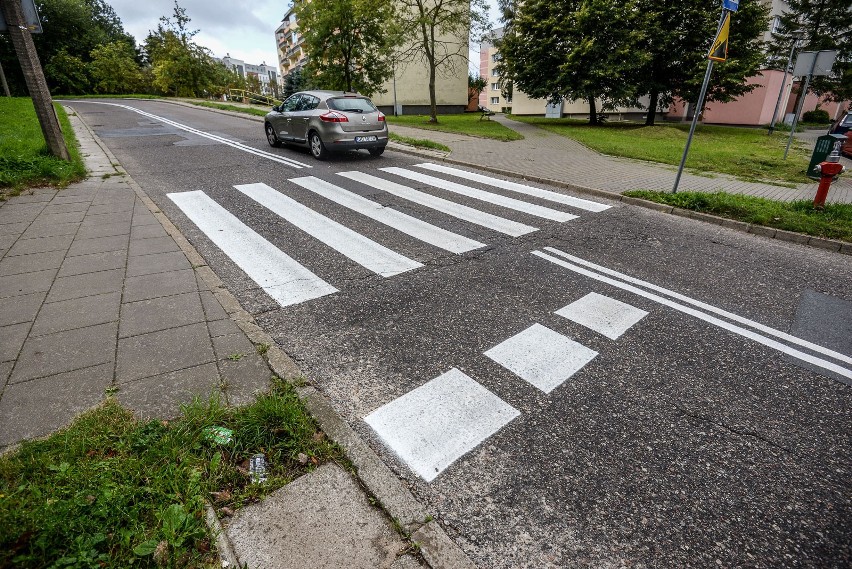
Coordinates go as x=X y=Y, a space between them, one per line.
x=245 y=30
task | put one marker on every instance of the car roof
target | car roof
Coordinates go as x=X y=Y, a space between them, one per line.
x=323 y=94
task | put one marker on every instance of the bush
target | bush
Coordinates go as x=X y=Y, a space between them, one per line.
x=816 y=116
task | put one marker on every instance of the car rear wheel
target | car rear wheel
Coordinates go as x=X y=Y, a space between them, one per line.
x=317 y=147
x=271 y=137
x=376 y=151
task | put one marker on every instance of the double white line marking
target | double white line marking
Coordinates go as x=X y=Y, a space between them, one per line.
x=620 y=280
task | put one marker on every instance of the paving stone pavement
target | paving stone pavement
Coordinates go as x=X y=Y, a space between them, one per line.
x=555 y=157
x=96 y=297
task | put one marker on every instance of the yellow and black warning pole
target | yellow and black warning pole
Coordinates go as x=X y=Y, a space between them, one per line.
x=718 y=52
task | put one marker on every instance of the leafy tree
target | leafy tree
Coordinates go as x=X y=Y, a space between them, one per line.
x=67 y=73
x=180 y=67
x=676 y=39
x=590 y=46
x=223 y=79
x=433 y=30
x=827 y=25
x=253 y=83
x=114 y=69
x=293 y=83
x=348 y=43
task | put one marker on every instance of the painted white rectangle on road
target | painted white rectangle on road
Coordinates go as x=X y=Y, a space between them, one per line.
x=579 y=203
x=412 y=226
x=541 y=356
x=459 y=211
x=489 y=197
x=351 y=244
x=282 y=278
x=603 y=314
x=435 y=424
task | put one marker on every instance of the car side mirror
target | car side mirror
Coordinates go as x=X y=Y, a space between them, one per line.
x=276 y=109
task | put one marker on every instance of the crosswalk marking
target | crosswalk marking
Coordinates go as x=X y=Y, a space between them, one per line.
x=284 y=279
x=490 y=197
x=603 y=314
x=579 y=203
x=405 y=223
x=459 y=211
x=435 y=424
x=541 y=356
x=351 y=244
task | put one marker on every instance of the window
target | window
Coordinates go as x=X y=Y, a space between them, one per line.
x=495 y=58
x=776 y=24
x=351 y=104
x=495 y=73
x=495 y=86
x=495 y=100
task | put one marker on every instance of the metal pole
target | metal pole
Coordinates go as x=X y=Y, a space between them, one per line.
x=34 y=77
x=394 y=89
x=802 y=96
x=783 y=84
x=698 y=108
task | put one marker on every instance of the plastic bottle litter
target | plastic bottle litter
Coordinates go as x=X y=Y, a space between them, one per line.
x=257 y=468
x=218 y=435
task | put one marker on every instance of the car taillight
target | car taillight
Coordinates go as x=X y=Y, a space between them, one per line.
x=333 y=116
x=381 y=117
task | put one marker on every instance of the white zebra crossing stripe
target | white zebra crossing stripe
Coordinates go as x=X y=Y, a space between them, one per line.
x=434 y=425
x=392 y=218
x=351 y=244
x=541 y=356
x=282 y=278
x=459 y=211
x=490 y=197
x=579 y=203
x=603 y=314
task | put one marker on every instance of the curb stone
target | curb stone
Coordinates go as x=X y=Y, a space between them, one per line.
x=439 y=550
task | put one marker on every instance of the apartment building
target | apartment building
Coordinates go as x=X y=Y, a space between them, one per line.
x=266 y=74
x=408 y=89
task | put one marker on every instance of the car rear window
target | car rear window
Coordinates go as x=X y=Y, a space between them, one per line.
x=352 y=105
x=847 y=120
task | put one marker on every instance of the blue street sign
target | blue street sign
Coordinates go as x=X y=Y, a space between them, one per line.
x=731 y=5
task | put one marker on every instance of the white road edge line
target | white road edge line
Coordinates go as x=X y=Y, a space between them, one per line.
x=579 y=203
x=708 y=307
x=451 y=208
x=784 y=348
x=482 y=195
x=412 y=226
x=280 y=276
x=351 y=244
x=227 y=142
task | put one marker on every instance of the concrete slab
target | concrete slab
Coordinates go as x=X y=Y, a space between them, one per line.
x=16 y=228
x=31 y=263
x=212 y=308
x=161 y=396
x=65 y=351
x=89 y=284
x=148 y=231
x=159 y=284
x=39 y=230
x=103 y=219
x=244 y=379
x=12 y=339
x=26 y=283
x=159 y=314
x=41 y=245
x=23 y=308
x=105 y=230
x=77 y=313
x=58 y=399
x=162 y=352
x=152 y=245
x=322 y=518
x=159 y=263
x=83 y=264
x=98 y=245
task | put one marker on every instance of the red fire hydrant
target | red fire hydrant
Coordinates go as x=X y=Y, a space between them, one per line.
x=827 y=172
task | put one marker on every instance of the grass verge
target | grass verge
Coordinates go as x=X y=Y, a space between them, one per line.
x=418 y=142
x=223 y=107
x=25 y=159
x=833 y=222
x=113 y=491
x=747 y=153
x=467 y=123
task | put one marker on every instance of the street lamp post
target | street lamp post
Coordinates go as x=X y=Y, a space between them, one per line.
x=796 y=36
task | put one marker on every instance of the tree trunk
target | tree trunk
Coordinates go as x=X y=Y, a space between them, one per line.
x=593 y=111
x=433 y=104
x=652 y=107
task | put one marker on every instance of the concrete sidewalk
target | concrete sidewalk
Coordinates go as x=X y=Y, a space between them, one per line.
x=100 y=294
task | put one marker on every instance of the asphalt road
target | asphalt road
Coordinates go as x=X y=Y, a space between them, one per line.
x=638 y=429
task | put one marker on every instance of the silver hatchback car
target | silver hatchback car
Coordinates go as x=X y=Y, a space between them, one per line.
x=327 y=121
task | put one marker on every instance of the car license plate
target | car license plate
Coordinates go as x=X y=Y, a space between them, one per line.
x=365 y=139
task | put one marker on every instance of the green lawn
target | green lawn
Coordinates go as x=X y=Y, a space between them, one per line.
x=24 y=157
x=225 y=107
x=418 y=142
x=112 y=491
x=467 y=123
x=833 y=222
x=746 y=153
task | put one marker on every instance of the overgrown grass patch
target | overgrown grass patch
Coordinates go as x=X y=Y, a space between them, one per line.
x=747 y=153
x=833 y=222
x=224 y=107
x=113 y=491
x=467 y=123
x=419 y=142
x=25 y=159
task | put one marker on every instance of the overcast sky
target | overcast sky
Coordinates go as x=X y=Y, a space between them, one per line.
x=245 y=30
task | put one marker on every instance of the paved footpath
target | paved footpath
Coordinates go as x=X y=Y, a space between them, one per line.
x=562 y=159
